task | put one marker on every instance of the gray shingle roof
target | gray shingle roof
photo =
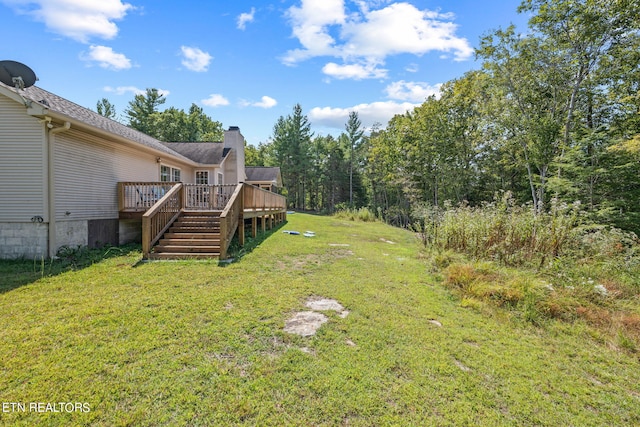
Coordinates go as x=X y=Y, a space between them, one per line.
x=211 y=153
x=84 y=115
x=262 y=173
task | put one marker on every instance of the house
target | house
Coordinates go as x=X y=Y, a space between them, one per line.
x=268 y=178
x=63 y=170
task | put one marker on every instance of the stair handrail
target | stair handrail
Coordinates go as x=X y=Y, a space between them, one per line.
x=229 y=219
x=160 y=216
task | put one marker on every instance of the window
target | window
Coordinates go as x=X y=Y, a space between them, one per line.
x=220 y=179
x=168 y=173
x=202 y=177
x=165 y=173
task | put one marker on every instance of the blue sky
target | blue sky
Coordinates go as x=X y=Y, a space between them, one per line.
x=247 y=63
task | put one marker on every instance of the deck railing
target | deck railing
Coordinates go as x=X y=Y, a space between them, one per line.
x=207 y=197
x=140 y=196
x=257 y=198
x=159 y=218
x=229 y=219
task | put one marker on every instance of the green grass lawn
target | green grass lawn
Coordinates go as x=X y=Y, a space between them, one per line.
x=196 y=343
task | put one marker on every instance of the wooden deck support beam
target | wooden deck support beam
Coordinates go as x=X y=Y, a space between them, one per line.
x=254 y=227
x=241 y=231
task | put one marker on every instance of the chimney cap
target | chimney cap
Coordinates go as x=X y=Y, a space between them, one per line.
x=234 y=128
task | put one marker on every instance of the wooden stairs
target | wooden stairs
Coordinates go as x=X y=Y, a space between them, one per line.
x=193 y=235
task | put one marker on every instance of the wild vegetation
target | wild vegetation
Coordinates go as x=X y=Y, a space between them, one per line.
x=545 y=266
x=198 y=343
x=553 y=114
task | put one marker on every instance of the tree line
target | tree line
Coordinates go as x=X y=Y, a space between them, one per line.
x=553 y=114
x=170 y=125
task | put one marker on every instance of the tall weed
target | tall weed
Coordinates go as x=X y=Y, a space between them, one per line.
x=502 y=231
x=362 y=214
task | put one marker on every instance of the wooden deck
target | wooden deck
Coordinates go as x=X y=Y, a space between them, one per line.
x=196 y=221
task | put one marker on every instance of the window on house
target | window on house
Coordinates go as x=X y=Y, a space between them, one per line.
x=202 y=177
x=168 y=174
x=165 y=173
x=220 y=179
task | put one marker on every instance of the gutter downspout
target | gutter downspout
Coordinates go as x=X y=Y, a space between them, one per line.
x=51 y=186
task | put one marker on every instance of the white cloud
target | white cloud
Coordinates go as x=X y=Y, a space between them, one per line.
x=106 y=58
x=402 y=28
x=375 y=112
x=412 y=68
x=265 y=102
x=309 y=24
x=215 y=100
x=325 y=28
x=354 y=71
x=121 y=90
x=77 y=19
x=195 y=59
x=245 y=18
x=412 y=91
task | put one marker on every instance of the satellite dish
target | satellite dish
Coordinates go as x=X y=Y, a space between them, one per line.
x=16 y=74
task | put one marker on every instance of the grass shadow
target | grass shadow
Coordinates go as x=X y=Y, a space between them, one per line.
x=236 y=252
x=21 y=272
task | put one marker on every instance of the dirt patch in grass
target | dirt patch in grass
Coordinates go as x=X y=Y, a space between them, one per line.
x=307 y=323
x=326 y=304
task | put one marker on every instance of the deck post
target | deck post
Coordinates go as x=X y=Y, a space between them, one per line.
x=146 y=237
x=241 y=218
x=241 y=230
x=264 y=224
x=254 y=227
x=223 y=240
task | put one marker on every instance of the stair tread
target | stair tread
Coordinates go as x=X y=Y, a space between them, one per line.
x=185 y=229
x=169 y=255
x=192 y=236
x=188 y=247
x=194 y=242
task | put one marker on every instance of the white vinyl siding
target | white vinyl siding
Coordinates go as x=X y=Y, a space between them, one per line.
x=23 y=166
x=87 y=170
